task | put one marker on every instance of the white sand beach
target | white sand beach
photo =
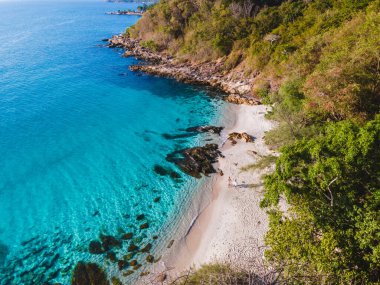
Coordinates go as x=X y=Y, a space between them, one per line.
x=232 y=226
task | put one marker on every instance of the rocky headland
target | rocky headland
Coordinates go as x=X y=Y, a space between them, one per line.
x=237 y=86
x=120 y=12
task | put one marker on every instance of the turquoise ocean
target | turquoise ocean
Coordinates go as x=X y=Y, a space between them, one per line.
x=80 y=136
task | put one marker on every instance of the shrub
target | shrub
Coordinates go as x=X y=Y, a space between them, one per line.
x=151 y=45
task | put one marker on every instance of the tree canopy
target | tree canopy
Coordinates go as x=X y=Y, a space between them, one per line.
x=332 y=182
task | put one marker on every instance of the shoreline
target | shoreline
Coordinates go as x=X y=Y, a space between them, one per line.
x=235 y=83
x=125 y=13
x=231 y=228
x=224 y=224
x=221 y=223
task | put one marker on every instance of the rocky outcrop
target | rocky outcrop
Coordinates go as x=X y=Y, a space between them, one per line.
x=212 y=73
x=240 y=136
x=133 y=48
x=125 y=12
x=196 y=161
x=240 y=99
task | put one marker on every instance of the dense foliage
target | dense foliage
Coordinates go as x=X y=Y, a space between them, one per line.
x=332 y=181
x=198 y=29
x=317 y=62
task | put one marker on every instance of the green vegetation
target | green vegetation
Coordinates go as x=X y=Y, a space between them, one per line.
x=222 y=274
x=144 y=7
x=332 y=183
x=262 y=163
x=317 y=62
x=149 y=45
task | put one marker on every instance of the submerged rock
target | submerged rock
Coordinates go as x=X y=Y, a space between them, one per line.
x=160 y=170
x=132 y=247
x=144 y=226
x=128 y=256
x=95 y=247
x=205 y=129
x=140 y=217
x=177 y=136
x=109 y=242
x=122 y=264
x=111 y=256
x=24 y=243
x=127 y=236
x=128 y=272
x=88 y=274
x=147 y=248
x=197 y=160
x=133 y=262
x=4 y=251
x=164 y=171
x=175 y=175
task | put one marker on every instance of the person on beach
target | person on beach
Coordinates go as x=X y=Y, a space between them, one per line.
x=233 y=183
x=224 y=141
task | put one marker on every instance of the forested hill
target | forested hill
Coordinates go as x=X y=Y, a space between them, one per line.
x=317 y=62
x=308 y=41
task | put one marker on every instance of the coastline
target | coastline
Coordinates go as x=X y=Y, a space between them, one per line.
x=231 y=227
x=224 y=224
x=235 y=83
x=220 y=223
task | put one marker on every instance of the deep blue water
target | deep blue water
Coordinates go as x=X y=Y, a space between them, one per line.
x=79 y=138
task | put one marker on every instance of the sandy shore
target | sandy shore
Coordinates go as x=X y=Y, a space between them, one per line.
x=232 y=226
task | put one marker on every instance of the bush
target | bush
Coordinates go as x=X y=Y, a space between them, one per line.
x=151 y=45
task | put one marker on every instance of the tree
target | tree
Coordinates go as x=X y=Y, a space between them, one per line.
x=332 y=184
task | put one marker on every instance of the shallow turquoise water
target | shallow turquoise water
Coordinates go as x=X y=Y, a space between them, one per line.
x=79 y=138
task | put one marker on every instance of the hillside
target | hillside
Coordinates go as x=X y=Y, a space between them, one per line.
x=318 y=64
